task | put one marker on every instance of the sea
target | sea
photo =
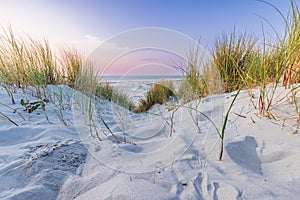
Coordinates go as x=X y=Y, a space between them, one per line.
x=138 y=78
x=136 y=87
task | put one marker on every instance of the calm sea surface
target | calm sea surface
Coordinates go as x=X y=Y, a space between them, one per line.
x=129 y=78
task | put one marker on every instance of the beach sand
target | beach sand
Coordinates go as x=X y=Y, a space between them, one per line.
x=44 y=159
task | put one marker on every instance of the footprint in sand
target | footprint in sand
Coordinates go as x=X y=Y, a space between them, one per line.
x=244 y=154
x=207 y=189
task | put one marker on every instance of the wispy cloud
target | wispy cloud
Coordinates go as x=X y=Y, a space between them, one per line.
x=91 y=37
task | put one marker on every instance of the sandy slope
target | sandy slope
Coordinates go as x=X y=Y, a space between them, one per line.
x=261 y=158
x=261 y=161
x=37 y=156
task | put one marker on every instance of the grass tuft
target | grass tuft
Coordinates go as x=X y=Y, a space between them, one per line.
x=158 y=94
x=234 y=56
x=106 y=91
x=292 y=71
x=198 y=78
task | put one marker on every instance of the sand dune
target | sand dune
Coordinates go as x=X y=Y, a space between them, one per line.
x=53 y=161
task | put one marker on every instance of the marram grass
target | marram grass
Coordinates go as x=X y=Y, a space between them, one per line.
x=106 y=91
x=158 y=94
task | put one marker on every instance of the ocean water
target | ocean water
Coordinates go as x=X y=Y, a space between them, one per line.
x=136 y=87
x=131 y=78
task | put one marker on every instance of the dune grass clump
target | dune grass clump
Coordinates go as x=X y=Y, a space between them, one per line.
x=197 y=78
x=158 y=94
x=280 y=62
x=193 y=76
x=72 y=63
x=292 y=71
x=106 y=91
x=26 y=62
x=234 y=55
x=273 y=64
x=241 y=64
x=187 y=92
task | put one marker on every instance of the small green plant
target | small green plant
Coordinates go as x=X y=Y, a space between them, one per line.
x=32 y=106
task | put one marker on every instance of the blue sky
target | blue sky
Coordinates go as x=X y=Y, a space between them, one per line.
x=104 y=18
x=84 y=24
x=194 y=18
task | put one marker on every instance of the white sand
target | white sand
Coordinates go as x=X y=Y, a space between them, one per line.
x=42 y=160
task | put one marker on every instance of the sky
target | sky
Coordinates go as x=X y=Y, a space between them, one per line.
x=87 y=24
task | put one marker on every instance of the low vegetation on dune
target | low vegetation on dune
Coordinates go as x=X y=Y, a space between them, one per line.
x=235 y=56
x=239 y=61
x=158 y=94
x=27 y=62
x=292 y=50
x=244 y=61
x=106 y=91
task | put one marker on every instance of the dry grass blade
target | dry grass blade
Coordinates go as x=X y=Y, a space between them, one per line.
x=5 y=117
